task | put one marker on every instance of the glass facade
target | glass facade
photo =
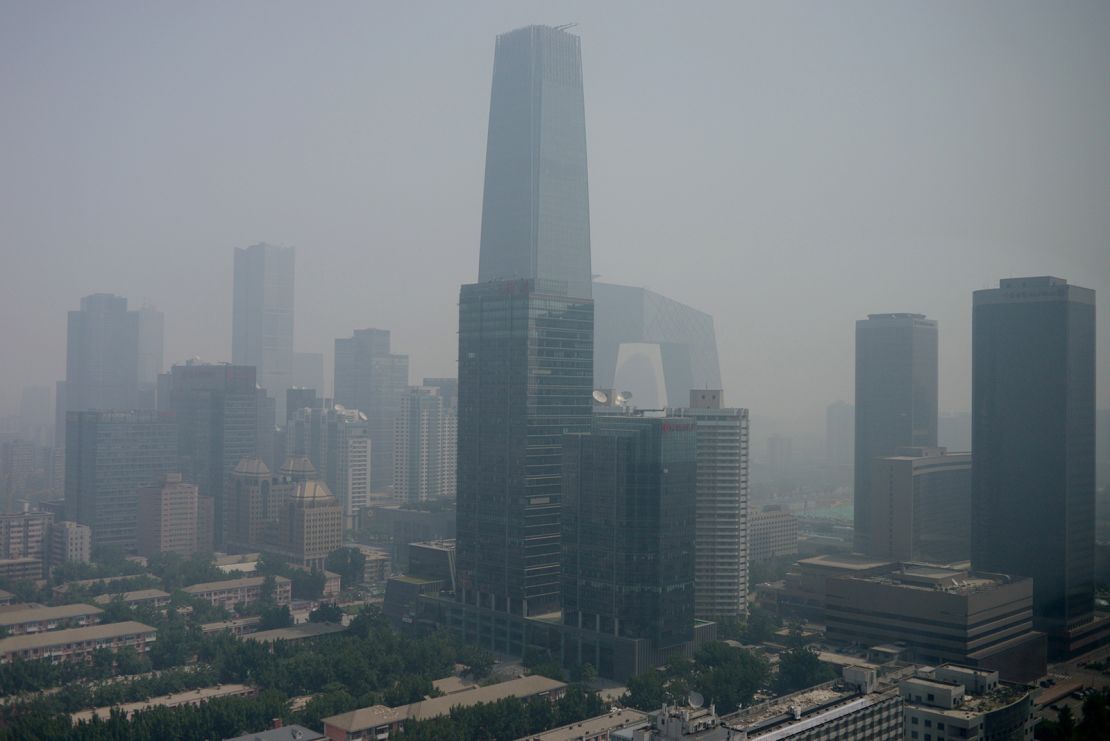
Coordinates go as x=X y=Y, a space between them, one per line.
x=216 y=410
x=262 y=317
x=110 y=458
x=373 y=380
x=896 y=398
x=1033 y=436
x=628 y=528
x=525 y=379
x=685 y=336
x=535 y=208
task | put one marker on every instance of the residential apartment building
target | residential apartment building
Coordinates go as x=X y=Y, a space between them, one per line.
x=77 y=644
x=227 y=594
x=773 y=533
x=721 y=542
x=25 y=620
x=70 y=541
x=168 y=518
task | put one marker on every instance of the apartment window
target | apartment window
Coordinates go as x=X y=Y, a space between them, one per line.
x=928 y=723
x=931 y=698
x=913 y=721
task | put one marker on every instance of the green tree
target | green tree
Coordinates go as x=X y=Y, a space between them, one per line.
x=799 y=668
x=1095 y=725
x=329 y=612
x=1065 y=724
x=646 y=691
x=349 y=563
x=275 y=616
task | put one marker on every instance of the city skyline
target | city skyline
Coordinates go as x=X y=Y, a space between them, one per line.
x=349 y=252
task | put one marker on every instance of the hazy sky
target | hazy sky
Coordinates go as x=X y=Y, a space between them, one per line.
x=787 y=167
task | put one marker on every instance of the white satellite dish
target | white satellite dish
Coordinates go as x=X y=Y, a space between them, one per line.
x=694 y=699
x=600 y=397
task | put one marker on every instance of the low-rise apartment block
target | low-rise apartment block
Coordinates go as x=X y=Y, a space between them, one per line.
x=227 y=594
x=77 y=644
x=155 y=598
x=39 y=619
x=773 y=533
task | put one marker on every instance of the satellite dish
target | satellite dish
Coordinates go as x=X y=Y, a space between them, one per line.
x=600 y=397
x=694 y=699
x=626 y=394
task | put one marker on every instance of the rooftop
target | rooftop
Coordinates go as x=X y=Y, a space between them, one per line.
x=785 y=716
x=285 y=733
x=294 y=632
x=591 y=726
x=247 y=581
x=178 y=698
x=37 y=614
x=376 y=715
x=938 y=578
x=139 y=595
x=845 y=561
x=72 y=635
x=973 y=705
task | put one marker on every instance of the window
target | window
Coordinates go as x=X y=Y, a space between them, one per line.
x=928 y=723
x=913 y=721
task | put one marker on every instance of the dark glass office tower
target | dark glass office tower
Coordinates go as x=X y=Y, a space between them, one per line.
x=110 y=457
x=535 y=211
x=896 y=398
x=216 y=407
x=1033 y=437
x=525 y=379
x=373 y=380
x=629 y=493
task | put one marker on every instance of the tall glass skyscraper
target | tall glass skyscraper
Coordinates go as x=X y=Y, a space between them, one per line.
x=1033 y=438
x=525 y=330
x=536 y=209
x=896 y=398
x=262 y=317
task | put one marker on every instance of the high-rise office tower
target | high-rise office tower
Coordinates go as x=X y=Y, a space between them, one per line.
x=215 y=407
x=896 y=398
x=525 y=330
x=151 y=328
x=168 y=517
x=840 y=423
x=1033 y=437
x=525 y=372
x=337 y=442
x=310 y=519
x=110 y=457
x=921 y=506
x=424 y=447
x=721 y=531
x=102 y=356
x=628 y=510
x=267 y=426
x=297 y=398
x=535 y=208
x=262 y=316
x=371 y=379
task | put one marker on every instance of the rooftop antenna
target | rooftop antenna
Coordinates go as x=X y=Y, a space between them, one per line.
x=565 y=26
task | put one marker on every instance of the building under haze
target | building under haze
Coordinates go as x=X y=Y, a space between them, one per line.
x=535 y=205
x=652 y=345
x=110 y=458
x=373 y=380
x=1033 y=436
x=113 y=357
x=629 y=497
x=840 y=433
x=921 y=506
x=215 y=407
x=896 y=398
x=721 y=542
x=168 y=517
x=262 y=316
x=525 y=332
x=424 y=447
x=337 y=442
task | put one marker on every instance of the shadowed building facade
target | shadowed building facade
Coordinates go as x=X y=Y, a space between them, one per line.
x=1033 y=437
x=896 y=398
